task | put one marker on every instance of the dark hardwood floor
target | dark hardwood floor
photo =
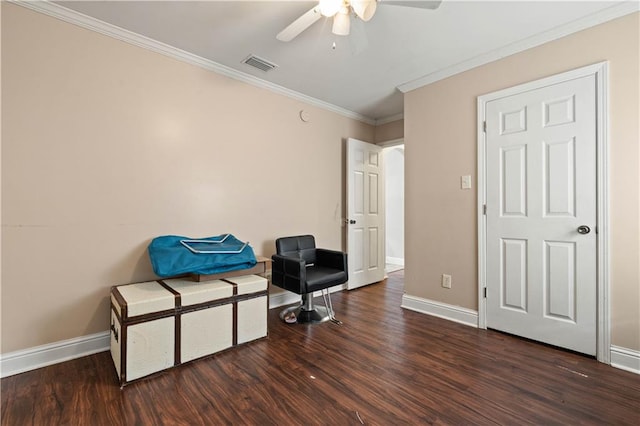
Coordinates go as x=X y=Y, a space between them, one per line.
x=384 y=366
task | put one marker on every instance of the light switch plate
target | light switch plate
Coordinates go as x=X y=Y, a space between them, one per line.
x=446 y=281
x=465 y=182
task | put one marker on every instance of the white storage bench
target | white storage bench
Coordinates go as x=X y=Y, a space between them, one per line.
x=161 y=324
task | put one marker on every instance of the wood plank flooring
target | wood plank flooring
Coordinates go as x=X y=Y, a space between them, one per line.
x=384 y=366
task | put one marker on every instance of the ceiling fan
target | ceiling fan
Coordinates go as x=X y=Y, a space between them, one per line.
x=342 y=10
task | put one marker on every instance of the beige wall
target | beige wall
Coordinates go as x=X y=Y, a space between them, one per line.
x=389 y=131
x=441 y=145
x=106 y=145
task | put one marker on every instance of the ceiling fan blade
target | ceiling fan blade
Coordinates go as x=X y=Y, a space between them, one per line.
x=365 y=9
x=341 y=22
x=299 y=25
x=422 y=4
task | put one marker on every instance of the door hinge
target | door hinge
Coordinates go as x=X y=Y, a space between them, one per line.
x=484 y=126
x=484 y=209
x=485 y=292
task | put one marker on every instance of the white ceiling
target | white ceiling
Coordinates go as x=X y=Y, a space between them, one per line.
x=400 y=45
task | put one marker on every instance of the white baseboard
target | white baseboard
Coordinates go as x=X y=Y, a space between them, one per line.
x=395 y=260
x=288 y=298
x=441 y=310
x=40 y=356
x=283 y=299
x=625 y=359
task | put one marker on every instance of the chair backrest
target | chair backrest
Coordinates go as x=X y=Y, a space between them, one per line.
x=300 y=246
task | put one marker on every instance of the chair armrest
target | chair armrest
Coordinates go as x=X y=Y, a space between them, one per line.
x=289 y=273
x=332 y=259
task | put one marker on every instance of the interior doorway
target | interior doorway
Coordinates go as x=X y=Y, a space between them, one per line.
x=394 y=188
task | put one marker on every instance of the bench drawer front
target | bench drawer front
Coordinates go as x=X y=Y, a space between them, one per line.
x=142 y=349
x=205 y=332
x=150 y=347
x=252 y=319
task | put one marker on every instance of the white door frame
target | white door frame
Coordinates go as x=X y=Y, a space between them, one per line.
x=601 y=72
x=392 y=142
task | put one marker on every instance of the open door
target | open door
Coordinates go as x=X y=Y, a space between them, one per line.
x=365 y=213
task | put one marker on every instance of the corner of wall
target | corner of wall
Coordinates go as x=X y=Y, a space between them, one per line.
x=388 y=131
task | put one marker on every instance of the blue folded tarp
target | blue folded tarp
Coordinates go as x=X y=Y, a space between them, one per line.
x=173 y=255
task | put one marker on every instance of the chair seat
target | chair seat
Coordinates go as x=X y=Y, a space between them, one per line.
x=320 y=277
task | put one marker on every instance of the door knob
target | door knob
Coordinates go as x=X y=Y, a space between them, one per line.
x=583 y=229
x=352 y=222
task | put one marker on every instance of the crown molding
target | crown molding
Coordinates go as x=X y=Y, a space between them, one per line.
x=605 y=15
x=389 y=119
x=76 y=18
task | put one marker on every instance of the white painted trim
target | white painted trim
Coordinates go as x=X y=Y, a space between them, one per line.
x=395 y=260
x=391 y=143
x=602 y=188
x=76 y=18
x=613 y=12
x=441 y=310
x=601 y=72
x=389 y=119
x=285 y=297
x=482 y=224
x=625 y=359
x=41 y=356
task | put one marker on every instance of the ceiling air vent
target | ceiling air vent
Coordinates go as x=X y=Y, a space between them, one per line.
x=259 y=63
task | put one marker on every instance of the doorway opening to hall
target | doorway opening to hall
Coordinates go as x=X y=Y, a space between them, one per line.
x=394 y=208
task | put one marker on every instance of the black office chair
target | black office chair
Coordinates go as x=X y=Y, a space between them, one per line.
x=300 y=267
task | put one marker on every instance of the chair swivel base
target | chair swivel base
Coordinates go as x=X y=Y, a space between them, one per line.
x=315 y=316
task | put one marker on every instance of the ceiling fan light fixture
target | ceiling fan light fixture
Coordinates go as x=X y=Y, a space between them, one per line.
x=364 y=8
x=341 y=22
x=329 y=8
x=341 y=10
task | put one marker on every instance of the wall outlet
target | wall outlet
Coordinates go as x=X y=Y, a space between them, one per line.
x=446 y=281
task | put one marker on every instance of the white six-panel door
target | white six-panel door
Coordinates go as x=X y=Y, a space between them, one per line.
x=541 y=241
x=365 y=213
